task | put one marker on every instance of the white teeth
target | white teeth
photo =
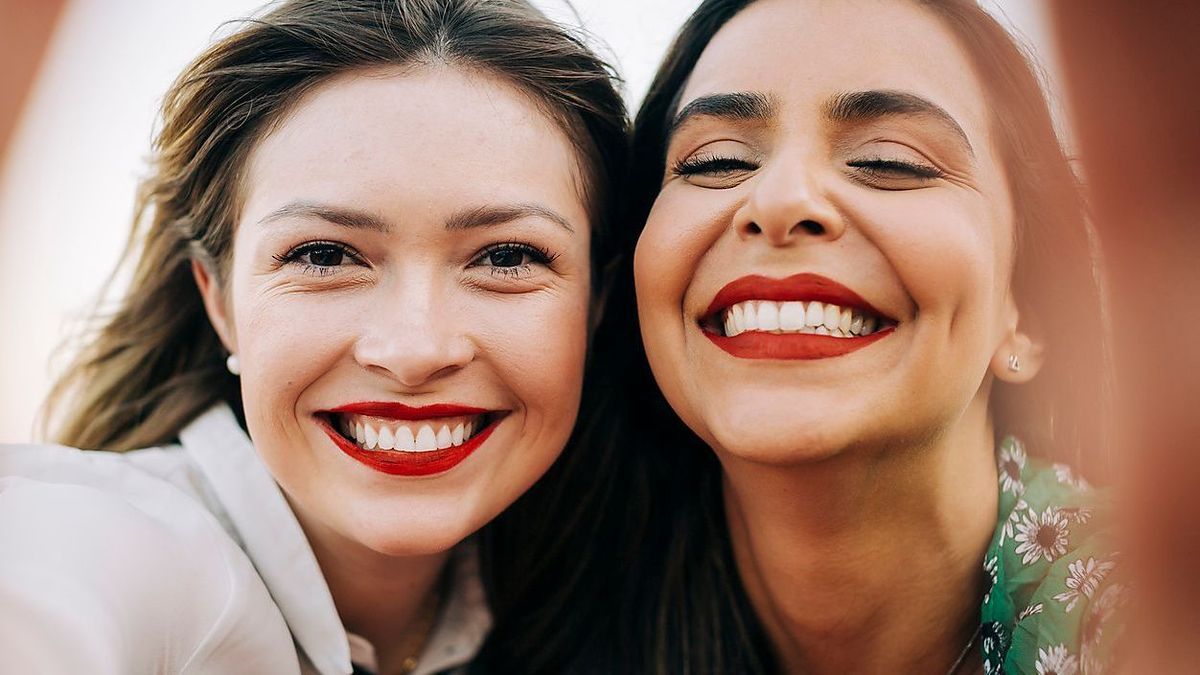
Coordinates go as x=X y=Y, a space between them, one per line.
x=444 y=440
x=833 y=316
x=358 y=433
x=426 y=440
x=796 y=317
x=739 y=319
x=844 y=322
x=749 y=317
x=387 y=440
x=469 y=430
x=404 y=439
x=371 y=437
x=768 y=316
x=456 y=436
x=730 y=325
x=791 y=315
x=815 y=315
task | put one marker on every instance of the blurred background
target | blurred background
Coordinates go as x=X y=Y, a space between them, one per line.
x=80 y=84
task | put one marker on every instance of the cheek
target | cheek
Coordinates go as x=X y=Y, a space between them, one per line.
x=536 y=346
x=943 y=251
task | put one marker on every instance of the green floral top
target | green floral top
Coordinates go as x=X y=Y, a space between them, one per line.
x=1052 y=594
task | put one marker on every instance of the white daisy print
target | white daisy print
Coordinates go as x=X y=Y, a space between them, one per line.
x=1030 y=611
x=1083 y=578
x=1010 y=523
x=1056 y=661
x=1011 y=461
x=1044 y=537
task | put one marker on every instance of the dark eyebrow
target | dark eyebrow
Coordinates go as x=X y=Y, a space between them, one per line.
x=484 y=216
x=860 y=106
x=741 y=105
x=344 y=217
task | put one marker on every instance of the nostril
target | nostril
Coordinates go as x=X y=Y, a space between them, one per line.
x=810 y=226
x=753 y=228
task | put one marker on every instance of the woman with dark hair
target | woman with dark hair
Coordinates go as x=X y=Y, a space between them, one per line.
x=321 y=381
x=866 y=286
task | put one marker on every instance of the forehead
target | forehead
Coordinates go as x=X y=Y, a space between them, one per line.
x=392 y=138
x=801 y=53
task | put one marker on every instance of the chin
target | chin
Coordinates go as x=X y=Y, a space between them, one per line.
x=415 y=528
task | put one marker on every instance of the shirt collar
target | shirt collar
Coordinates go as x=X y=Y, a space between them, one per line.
x=276 y=544
x=271 y=535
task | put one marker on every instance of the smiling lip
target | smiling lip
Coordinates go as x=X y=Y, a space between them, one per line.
x=402 y=463
x=791 y=346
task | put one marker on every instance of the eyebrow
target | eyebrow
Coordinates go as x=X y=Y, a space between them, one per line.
x=862 y=106
x=736 y=106
x=351 y=218
x=482 y=216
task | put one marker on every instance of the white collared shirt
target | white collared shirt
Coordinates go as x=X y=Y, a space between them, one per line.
x=185 y=558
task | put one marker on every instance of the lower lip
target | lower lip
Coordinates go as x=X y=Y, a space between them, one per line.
x=400 y=463
x=793 y=346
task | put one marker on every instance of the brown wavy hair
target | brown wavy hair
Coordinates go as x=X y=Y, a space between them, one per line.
x=154 y=363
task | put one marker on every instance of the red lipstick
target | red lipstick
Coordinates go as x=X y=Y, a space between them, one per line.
x=405 y=463
x=791 y=346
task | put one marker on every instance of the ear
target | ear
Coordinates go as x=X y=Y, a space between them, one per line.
x=1020 y=355
x=214 y=304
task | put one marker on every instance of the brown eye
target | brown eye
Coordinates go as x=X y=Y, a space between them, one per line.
x=325 y=256
x=506 y=258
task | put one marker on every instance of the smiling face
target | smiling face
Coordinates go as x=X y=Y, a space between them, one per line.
x=827 y=265
x=408 y=300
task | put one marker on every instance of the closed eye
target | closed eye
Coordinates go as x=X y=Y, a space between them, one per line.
x=711 y=165
x=896 y=168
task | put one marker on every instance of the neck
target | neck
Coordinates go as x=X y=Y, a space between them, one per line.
x=388 y=600
x=867 y=562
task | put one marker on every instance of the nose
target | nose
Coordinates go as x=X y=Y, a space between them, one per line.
x=787 y=206
x=411 y=336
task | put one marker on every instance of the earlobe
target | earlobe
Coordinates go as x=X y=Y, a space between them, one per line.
x=214 y=304
x=1018 y=359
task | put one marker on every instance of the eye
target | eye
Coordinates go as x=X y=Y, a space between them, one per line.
x=512 y=258
x=320 y=257
x=713 y=171
x=895 y=173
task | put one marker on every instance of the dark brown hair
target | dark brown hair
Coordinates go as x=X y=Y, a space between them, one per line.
x=658 y=591
x=154 y=363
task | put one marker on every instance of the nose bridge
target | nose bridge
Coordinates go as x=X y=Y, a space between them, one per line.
x=411 y=334
x=789 y=200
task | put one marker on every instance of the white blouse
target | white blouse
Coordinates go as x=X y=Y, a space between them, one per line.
x=181 y=559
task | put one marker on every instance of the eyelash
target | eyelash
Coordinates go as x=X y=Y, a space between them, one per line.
x=538 y=255
x=709 y=164
x=884 y=168
x=296 y=254
x=888 y=168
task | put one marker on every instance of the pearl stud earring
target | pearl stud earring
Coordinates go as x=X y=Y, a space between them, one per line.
x=236 y=368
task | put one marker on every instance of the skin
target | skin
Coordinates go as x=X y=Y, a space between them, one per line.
x=420 y=314
x=861 y=489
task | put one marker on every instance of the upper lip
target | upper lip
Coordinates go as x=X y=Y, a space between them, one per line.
x=805 y=287
x=399 y=411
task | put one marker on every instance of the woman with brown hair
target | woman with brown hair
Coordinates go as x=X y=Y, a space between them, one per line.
x=365 y=277
x=866 y=287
